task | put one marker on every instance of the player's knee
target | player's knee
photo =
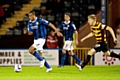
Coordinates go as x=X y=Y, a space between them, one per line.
x=31 y=50
x=70 y=53
x=63 y=51
x=40 y=53
x=107 y=53
x=90 y=53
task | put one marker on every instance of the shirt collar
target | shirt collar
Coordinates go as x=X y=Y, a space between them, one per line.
x=34 y=20
x=66 y=22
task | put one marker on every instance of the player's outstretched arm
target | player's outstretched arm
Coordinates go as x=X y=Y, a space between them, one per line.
x=56 y=30
x=112 y=33
x=76 y=37
x=86 y=37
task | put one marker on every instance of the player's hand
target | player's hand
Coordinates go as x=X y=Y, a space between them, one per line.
x=59 y=34
x=115 y=40
x=25 y=31
x=82 y=40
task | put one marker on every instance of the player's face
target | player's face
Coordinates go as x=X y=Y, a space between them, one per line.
x=31 y=16
x=90 y=21
x=67 y=18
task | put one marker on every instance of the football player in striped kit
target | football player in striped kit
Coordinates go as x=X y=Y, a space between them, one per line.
x=99 y=31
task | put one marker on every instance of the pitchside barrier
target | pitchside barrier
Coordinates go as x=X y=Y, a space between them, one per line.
x=9 y=57
x=82 y=54
x=97 y=59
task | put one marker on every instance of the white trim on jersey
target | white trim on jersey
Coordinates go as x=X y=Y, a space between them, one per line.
x=66 y=22
x=74 y=26
x=103 y=26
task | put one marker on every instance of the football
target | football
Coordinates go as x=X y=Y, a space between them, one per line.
x=17 y=67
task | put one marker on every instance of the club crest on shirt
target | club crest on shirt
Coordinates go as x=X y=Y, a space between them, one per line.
x=34 y=27
x=65 y=28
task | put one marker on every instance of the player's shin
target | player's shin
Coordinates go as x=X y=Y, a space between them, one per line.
x=46 y=64
x=76 y=58
x=112 y=54
x=63 y=59
x=37 y=56
x=86 y=61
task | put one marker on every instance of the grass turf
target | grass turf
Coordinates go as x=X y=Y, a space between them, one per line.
x=66 y=73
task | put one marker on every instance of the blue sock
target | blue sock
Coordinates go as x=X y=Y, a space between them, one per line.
x=76 y=58
x=63 y=59
x=38 y=56
x=46 y=64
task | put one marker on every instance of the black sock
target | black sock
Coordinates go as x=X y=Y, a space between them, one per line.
x=86 y=61
x=112 y=54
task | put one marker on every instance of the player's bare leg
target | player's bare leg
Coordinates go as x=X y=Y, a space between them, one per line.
x=112 y=54
x=32 y=49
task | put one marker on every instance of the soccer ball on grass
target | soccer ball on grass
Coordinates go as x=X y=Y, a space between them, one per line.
x=17 y=67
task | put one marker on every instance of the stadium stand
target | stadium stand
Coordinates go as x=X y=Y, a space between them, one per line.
x=52 y=10
x=16 y=13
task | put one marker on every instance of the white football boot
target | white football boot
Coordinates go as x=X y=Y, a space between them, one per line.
x=48 y=70
x=79 y=67
x=42 y=63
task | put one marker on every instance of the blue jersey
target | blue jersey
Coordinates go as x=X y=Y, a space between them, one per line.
x=38 y=28
x=68 y=30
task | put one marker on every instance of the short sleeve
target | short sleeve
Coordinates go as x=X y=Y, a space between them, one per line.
x=104 y=26
x=73 y=26
x=44 y=22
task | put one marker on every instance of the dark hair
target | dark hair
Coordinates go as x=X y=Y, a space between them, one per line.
x=33 y=12
x=68 y=14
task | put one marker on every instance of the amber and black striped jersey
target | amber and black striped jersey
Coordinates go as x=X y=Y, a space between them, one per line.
x=99 y=31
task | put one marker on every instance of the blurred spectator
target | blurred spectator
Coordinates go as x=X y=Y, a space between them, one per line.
x=52 y=41
x=8 y=7
x=1 y=15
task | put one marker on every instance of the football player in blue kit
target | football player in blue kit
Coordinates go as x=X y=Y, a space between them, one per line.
x=36 y=27
x=68 y=28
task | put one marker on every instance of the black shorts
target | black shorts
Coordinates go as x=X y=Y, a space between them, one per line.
x=101 y=46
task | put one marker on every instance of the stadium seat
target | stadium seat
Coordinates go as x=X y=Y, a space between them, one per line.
x=43 y=16
x=67 y=4
x=17 y=32
x=26 y=18
x=75 y=14
x=44 y=1
x=58 y=19
x=36 y=9
x=50 y=18
x=10 y=32
x=20 y=24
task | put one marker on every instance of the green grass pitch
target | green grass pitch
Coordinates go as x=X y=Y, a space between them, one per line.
x=66 y=73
